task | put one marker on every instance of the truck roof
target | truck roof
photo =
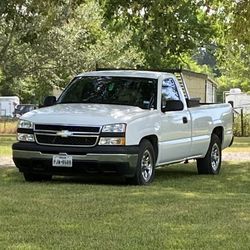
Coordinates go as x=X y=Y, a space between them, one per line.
x=126 y=73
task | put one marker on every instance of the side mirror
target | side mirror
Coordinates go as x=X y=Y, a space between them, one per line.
x=173 y=105
x=49 y=101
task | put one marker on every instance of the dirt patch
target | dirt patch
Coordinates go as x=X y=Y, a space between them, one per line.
x=235 y=156
x=6 y=162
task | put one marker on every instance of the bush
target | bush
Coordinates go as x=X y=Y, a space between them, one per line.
x=238 y=125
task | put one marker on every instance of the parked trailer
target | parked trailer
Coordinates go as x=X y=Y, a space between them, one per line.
x=238 y=99
x=7 y=105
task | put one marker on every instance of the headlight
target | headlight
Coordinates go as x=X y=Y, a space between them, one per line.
x=25 y=124
x=114 y=128
x=25 y=131
x=113 y=134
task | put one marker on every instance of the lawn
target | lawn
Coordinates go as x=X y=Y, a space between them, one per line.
x=5 y=144
x=241 y=144
x=180 y=210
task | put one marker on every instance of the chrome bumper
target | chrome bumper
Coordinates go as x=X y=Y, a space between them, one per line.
x=131 y=159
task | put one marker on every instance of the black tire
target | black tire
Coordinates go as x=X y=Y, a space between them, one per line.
x=145 y=169
x=211 y=163
x=30 y=177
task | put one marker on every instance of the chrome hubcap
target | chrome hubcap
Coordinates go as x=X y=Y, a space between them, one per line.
x=215 y=157
x=147 y=165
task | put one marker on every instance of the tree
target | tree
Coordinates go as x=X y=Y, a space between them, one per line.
x=44 y=44
x=83 y=43
x=163 y=30
x=23 y=25
x=233 y=57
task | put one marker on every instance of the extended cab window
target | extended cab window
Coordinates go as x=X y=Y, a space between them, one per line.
x=141 y=92
x=169 y=91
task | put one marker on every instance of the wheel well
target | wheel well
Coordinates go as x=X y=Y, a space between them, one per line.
x=219 y=132
x=154 y=141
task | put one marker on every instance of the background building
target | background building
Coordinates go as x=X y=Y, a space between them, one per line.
x=200 y=85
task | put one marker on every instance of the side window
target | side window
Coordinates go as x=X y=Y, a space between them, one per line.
x=169 y=90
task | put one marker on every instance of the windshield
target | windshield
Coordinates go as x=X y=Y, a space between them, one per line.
x=140 y=92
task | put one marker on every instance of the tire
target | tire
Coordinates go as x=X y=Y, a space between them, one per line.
x=211 y=163
x=145 y=169
x=30 y=177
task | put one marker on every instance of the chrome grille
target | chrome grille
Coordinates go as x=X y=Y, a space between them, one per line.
x=80 y=129
x=60 y=135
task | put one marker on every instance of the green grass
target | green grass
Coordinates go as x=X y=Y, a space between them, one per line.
x=240 y=144
x=5 y=144
x=180 y=210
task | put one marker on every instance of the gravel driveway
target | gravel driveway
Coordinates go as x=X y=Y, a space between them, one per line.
x=6 y=162
x=226 y=156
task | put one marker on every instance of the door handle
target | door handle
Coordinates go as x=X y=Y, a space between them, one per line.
x=184 y=119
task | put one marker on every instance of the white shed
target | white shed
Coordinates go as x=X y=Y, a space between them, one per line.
x=200 y=85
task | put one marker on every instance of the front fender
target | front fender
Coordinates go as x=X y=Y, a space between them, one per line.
x=142 y=127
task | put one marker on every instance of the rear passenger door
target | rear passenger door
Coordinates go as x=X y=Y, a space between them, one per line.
x=175 y=132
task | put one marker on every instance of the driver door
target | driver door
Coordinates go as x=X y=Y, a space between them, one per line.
x=175 y=131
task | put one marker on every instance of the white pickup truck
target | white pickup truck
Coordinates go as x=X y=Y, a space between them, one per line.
x=121 y=122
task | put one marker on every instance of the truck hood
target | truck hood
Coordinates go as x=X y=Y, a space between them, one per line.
x=85 y=114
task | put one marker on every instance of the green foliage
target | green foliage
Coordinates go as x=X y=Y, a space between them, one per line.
x=233 y=54
x=44 y=44
x=164 y=30
x=229 y=81
x=23 y=41
x=241 y=24
x=238 y=124
x=82 y=43
x=234 y=63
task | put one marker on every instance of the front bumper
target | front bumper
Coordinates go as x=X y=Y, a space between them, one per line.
x=34 y=158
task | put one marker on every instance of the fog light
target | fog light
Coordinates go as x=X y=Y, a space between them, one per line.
x=112 y=141
x=25 y=137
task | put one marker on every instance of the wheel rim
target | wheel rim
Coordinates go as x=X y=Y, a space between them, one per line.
x=146 y=166
x=215 y=157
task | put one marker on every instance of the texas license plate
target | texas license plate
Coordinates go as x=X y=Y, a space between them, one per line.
x=62 y=161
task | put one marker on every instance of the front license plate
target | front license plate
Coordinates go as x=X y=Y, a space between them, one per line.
x=62 y=161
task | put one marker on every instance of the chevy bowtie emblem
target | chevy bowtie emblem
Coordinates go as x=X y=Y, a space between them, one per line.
x=64 y=133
